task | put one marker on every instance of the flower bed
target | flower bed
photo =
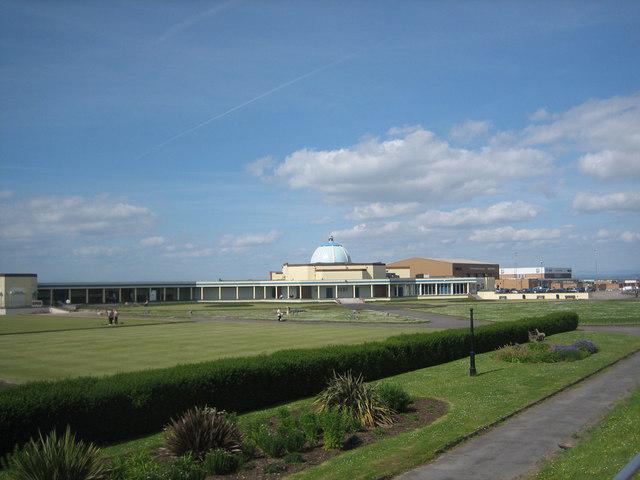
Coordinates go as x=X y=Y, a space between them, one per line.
x=543 y=352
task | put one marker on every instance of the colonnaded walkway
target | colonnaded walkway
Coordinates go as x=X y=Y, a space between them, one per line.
x=515 y=447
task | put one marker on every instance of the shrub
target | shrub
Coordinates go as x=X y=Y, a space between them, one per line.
x=394 y=396
x=125 y=405
x=587 y=345
x=310 y=425
x=271 y=444
x=334 y=428
x=57 y=457
x=276 y=467
x=349 y=392
x=293 y=458
x=220 y=462
x=199 y=430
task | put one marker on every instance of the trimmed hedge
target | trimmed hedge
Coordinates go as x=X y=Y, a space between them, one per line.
x=122 y=406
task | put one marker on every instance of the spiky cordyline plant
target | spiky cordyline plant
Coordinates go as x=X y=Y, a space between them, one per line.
x=57 y=458
x=200 y=430
x=349 y=392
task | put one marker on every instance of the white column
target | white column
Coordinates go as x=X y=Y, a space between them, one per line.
x=86 y=296
x=119 y=295
x=69 y=294
x=104 y=295
x=135 y=295
x=336 y=294
x=371 y=290
x=254 y=292
x=354 y=291
x=288 y=293
x=389 y=290
x=318 y=292
x=51 y=297
x=219 y=293
x=201 y=293
x=237 y=293
x=164 y=294
x=191 y=293
x=264 y=292
x=178 y=294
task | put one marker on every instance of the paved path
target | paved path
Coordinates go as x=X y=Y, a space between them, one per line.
x=515 y=447
x=435 y=320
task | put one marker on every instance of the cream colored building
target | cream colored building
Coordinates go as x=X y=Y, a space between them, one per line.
x=17 y=290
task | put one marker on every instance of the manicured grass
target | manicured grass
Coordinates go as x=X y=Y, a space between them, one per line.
x=591 y=312
x=11 y=324
x=500 y=389
x=308 y=312
x=603 y=451
x=107 y=350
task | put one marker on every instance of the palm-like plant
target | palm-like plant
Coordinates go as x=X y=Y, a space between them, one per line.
x=349 y=392
x=200 y=430
x=58 y=458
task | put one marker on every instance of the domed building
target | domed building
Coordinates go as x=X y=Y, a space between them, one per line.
x=331 y=252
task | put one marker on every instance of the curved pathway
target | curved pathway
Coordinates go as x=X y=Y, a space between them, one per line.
x=514 y=448
x=435 y=320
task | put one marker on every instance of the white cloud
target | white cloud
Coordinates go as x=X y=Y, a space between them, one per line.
x=96 y=251
x=152 y=241
x=538 y=115
x=499 y=212
x=630 y=237
x=615 y=202
x=611 y=164
x=367 y=230
x=469 y=130
x=382 y=210
x=412 y=163
x=189 y=252
x=260 y=167
x=604 y=233
x=510 y=234
x=4 y=194
x=68 y=216
x=243 y=242
x=321 y=220
x=605 y=130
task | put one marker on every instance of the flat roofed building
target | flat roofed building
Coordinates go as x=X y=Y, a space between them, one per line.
x=417 y=267
x=17 y=290
x=545 y=273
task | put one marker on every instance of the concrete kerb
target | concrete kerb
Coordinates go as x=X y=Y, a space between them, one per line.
x=485 y=428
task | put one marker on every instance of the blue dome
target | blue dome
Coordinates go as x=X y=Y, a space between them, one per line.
x=331 y=252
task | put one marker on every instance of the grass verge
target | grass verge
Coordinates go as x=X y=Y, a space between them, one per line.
x=498 y=391
x=604 y=450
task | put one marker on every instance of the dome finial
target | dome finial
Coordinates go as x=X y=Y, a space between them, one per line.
x=331 y=238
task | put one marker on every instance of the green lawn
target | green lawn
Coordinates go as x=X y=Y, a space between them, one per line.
x=604 y=451
x=500 y=389
x=591 y=312
x=308 y=312
x=105 y=350
x=11 y=324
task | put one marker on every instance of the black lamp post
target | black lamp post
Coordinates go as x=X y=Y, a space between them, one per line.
x=472 y=354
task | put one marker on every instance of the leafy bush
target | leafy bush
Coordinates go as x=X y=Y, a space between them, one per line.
x=347 y=391
x=220 y=462
x=310 y=425
x=144 y=467
x=394 y=396
x=199 y=430
x=587 y=345
x=271 y=444
x=130 y=404
x=57 y=457
x=334 y=428
x=293 y=458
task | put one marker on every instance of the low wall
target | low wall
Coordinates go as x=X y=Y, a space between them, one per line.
x=533 y=296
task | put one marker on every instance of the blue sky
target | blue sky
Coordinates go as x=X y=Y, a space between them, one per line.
x=204 y=140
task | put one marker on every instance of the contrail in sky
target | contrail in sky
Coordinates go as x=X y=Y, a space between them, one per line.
x=244 y=104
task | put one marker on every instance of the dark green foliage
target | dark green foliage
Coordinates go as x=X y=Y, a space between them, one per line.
x=144 y=467
x=125 y=405
x=277 y=467
x=544 y=352
x=199 y=430
x=57 y=457
x=220 y=462
x=272 y=444
x=334 y=428
x=394 y=396
x=293 y=458
x=310 y=425
x=349 y=392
